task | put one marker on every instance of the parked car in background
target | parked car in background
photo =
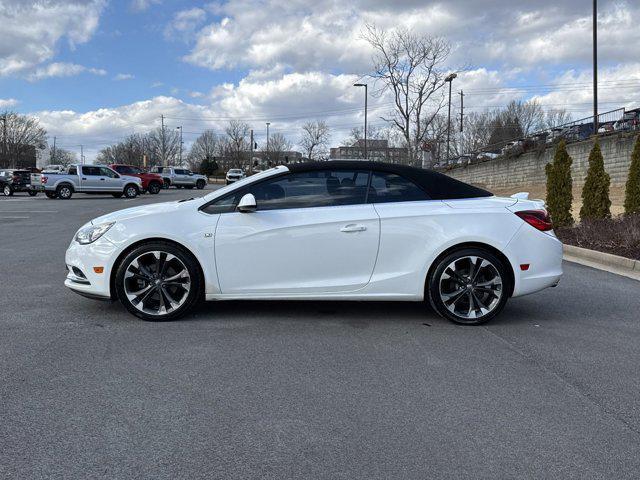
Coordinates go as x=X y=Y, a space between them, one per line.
x=234 y=174
x=180 y=177
x=335 y=230
x=90 y=179
x=19 y=180
x=151 y=182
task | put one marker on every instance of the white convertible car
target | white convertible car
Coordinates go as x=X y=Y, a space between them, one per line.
x=334 y=230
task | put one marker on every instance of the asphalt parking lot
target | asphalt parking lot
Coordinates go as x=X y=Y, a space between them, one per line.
x=550 y=389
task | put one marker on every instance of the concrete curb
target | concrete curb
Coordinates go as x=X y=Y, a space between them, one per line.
x=603 y=261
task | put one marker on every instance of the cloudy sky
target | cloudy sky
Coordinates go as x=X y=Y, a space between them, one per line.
x=94 y=71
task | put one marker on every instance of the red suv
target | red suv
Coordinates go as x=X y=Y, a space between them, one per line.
x=151 y=182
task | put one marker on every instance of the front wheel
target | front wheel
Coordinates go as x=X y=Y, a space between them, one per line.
x=7 y=191
x=469 y=286
x=131 y=191
x=200 y=184
x=158 y=281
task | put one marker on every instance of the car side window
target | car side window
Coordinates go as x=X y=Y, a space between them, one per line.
x=320 y=188
x=91 y=171
x=107 y=172
x=73 y=171
x=389 y=187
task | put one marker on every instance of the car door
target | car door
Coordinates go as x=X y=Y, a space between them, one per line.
x=91 y=179
x=113 y=182
x=312 y=233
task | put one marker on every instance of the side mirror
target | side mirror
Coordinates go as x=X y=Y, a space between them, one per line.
x=247 y=203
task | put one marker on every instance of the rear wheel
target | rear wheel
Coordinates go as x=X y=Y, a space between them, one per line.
x=131 y=191
x=166 y=183
x=154 y=188
x=64 y=192
x=200 y=184
x=158 y=281
x=469 y=286
x=7 y=191
x=32 y=193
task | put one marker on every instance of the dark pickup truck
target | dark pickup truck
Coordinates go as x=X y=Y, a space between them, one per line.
x=19 y=180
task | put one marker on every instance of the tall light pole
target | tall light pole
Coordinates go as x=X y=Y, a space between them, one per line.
x=449 y=78
x=365 y=115
x=595 y=67
x=180 y=128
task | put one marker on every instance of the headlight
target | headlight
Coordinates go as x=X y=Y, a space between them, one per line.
x=92 y=233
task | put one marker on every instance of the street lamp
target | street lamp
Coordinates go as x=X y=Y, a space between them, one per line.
x=449 y=78
x=268 y=152
x=365 y=115
x=180 y=128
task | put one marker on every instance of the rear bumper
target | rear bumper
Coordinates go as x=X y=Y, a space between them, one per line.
x=542 y=252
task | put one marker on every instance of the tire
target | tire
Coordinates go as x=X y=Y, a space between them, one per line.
x=131 y=191
x=139 y=281
x=154 y=188
x=32 y=193
x=465 y=294
x=200 y=184
x=228 y=182
x=166 y=183
x=7 y=191
x=117 y=195
x=64 y=192
x=51 y=195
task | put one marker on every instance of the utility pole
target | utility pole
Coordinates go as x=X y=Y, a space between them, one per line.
x=180 y=128
x=251 y=154
x=82 y=154
x=53 y=156
x=365 y=115
x=449 y=79
x=163 y=144
x=461 y=111
x=268 y=151
x=595 y=67
x=4 y=137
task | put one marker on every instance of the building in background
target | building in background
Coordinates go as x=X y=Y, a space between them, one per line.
x=377 y=151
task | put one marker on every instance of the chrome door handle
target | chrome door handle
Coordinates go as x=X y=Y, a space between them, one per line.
x=352 y=227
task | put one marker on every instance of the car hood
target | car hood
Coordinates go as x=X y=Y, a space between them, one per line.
x=148 y=210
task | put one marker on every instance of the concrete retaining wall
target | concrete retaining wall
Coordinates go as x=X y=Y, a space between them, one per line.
x=528 y=170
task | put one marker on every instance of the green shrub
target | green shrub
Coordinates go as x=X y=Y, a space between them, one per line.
x=595 y=194
x=632 y=190
x=559 y=187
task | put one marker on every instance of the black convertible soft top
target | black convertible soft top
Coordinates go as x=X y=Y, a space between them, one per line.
x=437 y=185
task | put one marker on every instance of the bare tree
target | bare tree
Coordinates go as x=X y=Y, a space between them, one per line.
x=555 y=118
x=411 y=68
x=164 y=146
x=18 y=134
x=237 y=133
x=63 y=157
x=279 y=145
x=131 y=151
x=315 y=139
x=529 y=115
x=207 y=146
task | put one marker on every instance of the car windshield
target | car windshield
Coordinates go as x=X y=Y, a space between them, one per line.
x=245 y=181
x=235 y=171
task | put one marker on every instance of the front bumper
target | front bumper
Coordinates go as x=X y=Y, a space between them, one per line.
x=82 y=260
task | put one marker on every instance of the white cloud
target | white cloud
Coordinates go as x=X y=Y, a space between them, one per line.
x=123 y=76
x=185 y=23
x=8 y=102
x=31 y=30
x=142 y=5
x=61 y=69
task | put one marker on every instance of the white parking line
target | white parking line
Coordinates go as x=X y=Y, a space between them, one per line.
x=13 y=218
x=28 y=211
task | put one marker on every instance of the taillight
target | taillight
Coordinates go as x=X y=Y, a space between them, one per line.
x=536 y=218
x=43 y=179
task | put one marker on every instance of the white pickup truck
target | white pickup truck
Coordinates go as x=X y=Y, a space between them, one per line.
x=90 y=179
